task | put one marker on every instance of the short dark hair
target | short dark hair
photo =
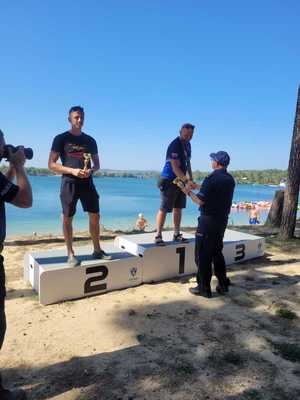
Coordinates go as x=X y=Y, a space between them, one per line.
x=76 y=108
x=188 y=126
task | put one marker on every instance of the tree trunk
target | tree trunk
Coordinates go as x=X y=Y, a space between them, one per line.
x=275 y=213
x=289 y=214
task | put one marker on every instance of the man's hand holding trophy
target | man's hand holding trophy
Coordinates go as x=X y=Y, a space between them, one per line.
x=87 y=160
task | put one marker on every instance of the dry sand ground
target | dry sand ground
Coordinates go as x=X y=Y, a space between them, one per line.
x=158 y=341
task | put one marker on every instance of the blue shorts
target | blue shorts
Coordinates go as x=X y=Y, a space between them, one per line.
x=253 y=221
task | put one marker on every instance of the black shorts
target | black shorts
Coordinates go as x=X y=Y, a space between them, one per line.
x=72 y=191
x=171 y=196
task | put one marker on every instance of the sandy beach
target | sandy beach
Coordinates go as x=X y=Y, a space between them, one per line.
x=157 y=341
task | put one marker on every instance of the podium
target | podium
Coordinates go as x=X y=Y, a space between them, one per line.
x=135 y=260
x=160 y=262
x=54 y=280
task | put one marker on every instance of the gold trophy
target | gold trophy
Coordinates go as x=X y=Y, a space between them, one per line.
x=179 y=182
x=86 y=158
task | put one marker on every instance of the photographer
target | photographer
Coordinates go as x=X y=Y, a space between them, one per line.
x=20 y=195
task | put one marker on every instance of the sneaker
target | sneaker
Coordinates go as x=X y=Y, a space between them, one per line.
x=179 y=238
x=159 y=241
x=198 y=291
x=73 y=261
x=17 y=394
x=222 y=289
x=101 y=255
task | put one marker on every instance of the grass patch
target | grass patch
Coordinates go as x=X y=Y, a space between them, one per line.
x=285 y=313
x=288 y=351
x=233 y=358
x=251 y=394
x=221 y=360
x=184 y=368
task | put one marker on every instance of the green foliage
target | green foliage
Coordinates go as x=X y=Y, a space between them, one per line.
x=264 y=177
x=288 y=351
x=285 y=313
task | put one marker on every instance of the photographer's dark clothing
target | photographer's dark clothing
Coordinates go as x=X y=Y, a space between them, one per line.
x=177 y=150
x=217 y=193
x=71 y=192
x=2 y=299
x=8 y=192
x=71 y=149
x=171 y=195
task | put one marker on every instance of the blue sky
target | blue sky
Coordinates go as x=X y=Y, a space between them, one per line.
x=142 y=68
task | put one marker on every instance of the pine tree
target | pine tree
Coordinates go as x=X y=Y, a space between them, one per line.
x=289 y=214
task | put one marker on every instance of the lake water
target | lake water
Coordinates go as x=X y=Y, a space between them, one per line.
x=121 y=199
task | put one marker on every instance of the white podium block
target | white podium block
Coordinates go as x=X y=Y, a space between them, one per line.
x=161 y=262
x=240 y=246
x=135 y=259
x=50 y=275
x=177 y=259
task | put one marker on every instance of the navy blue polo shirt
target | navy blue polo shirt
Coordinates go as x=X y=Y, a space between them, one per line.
x=8 y=192
x=177 y=150
x=217 y=192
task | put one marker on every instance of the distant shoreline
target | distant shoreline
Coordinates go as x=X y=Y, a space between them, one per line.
x=243 y=177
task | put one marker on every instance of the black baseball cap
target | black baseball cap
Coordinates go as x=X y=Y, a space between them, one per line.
x=221 y=157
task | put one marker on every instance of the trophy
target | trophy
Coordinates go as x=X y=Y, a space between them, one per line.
x=179 y=182
x=86 y=160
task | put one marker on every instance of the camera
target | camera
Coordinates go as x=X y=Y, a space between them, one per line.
x=27 y=151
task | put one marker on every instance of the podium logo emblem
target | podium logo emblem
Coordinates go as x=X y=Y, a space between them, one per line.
x=133 y=272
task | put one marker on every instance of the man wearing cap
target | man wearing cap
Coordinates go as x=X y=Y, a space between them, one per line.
x=215 y=199
x=178 y=164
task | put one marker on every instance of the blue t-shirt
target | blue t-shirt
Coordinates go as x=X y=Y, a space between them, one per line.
x=217 y=192
x=177 y=150
x=8 y=192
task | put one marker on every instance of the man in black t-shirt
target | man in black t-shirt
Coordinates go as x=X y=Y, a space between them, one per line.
x=19 y=195
x=76 y=151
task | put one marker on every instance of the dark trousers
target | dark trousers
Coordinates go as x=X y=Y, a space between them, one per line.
x=2 y=310
x=208 y=250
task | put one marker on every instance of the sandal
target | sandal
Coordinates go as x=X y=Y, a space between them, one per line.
x=159 y=241
x=179 y=238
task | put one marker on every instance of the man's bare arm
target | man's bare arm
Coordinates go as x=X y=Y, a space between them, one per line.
x=23 y=198
x=189 y=170
x=195 y=199
x=175 y=164
x=96 y=162
x=60 y=169
x=11 y=173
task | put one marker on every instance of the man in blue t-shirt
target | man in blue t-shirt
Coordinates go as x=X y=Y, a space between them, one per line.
x=77 y=150
x=19 y=195
x=178 y=164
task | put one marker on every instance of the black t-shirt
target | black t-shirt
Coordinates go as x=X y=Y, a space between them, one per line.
x=8 y=192
x=217 y=192
x=71 y=149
